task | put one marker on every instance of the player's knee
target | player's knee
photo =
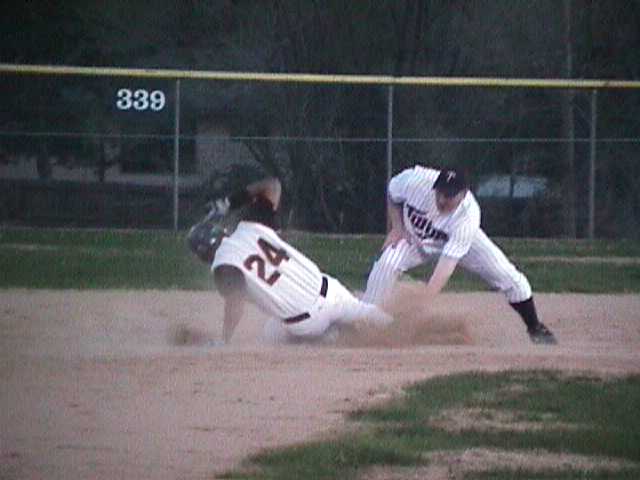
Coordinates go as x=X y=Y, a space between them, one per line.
x=389 y=263
x=518 y=290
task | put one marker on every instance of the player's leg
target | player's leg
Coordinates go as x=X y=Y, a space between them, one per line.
x=391 y=263
x=339 y=308
x=274 y=332
x=345 y=308
x=487 y=260
x=312 y=327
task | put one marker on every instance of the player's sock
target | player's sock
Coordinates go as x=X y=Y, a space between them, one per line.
x=527 y=311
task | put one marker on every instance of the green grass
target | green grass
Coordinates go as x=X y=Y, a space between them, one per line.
x=31 y=258
x=569 y=475
x=98 y=259
x=351 y=258
x=579 y=415
x=569 y=248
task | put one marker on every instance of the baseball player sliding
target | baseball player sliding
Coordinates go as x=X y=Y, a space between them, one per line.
x=433 y=214
x=253 y=263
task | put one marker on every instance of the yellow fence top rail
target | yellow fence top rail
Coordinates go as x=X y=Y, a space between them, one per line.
x=8 y=68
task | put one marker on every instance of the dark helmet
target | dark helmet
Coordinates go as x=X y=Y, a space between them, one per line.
x=205 y=237
x=451 y=181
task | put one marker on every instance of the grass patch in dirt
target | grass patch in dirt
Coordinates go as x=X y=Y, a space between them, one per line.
x=564 y=427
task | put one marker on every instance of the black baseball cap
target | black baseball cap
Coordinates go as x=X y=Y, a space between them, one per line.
x=451 y=181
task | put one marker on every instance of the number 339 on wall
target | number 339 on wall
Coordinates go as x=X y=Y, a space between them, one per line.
x=140 y=100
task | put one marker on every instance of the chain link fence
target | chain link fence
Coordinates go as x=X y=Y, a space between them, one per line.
x=135 y=151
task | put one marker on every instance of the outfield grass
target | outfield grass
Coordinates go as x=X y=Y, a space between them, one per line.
x=525 y=412
x=81 y=259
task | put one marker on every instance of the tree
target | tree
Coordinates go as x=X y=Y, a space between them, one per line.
x=325 y=180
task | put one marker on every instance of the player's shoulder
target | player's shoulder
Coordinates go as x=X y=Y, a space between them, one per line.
x=418 y=176
x=248 y=234
x=226 y=254
x=252 y=228
x=236 y=245
x=243 y=241
x=426 y=171
x=470 y=207
x=419 y=171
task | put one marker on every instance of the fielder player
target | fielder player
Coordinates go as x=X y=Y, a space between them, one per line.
x=433 y=214
x=253 y=263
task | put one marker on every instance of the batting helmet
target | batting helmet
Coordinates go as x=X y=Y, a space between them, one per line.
x=205 y=236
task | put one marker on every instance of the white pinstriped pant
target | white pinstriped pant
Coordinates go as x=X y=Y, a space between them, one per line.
x=484 y=258
x=339 y=306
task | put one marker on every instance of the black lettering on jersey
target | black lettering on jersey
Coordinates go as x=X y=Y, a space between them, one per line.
x=274 y=256
x=423 y=227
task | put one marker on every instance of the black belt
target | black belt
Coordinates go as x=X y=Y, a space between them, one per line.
x=305 y=315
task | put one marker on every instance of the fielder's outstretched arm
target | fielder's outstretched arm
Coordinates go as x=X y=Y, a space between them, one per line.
x=440 y=276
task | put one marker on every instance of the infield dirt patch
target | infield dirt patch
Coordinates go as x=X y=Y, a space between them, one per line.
x=95 y=384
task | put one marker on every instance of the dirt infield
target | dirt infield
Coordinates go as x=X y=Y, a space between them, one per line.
x=121 y=384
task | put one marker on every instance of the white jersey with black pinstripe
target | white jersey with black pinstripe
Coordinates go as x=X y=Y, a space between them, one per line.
x=286 y=284
x=279 y=278
x=455 y=234
x=450 y=234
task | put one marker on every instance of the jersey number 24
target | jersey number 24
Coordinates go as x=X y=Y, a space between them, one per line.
x=272 y=254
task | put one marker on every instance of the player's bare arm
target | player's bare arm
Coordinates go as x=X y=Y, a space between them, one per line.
x=396 y=226
x=440 y=276
x=230 y=284
x=234 y=306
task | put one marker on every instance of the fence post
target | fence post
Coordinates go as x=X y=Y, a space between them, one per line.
x=389 y=131
x=389 y=139
x=176 y=156
x=592 y=165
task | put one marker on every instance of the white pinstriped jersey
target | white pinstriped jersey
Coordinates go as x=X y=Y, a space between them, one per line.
x=279 y=278
x=450 y=234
